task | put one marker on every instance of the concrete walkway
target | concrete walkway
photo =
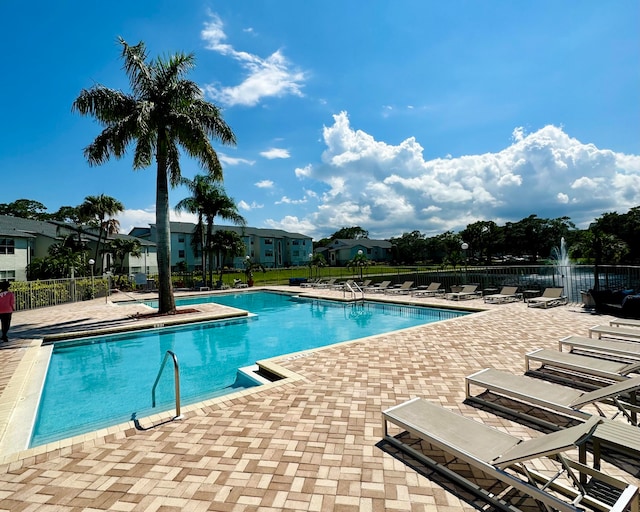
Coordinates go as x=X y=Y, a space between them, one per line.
x=308 y=442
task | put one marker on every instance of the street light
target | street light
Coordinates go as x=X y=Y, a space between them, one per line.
x=93 y=291
x=464 y=246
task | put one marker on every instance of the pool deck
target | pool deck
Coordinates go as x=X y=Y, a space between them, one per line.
x=309 y=442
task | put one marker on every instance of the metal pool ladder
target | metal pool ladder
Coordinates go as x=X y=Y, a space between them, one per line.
x=176 y=375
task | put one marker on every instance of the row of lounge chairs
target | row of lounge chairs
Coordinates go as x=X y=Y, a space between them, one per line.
x=511 y=460
x=552 y=296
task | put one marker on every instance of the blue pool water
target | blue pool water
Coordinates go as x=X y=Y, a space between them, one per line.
x=95 y=382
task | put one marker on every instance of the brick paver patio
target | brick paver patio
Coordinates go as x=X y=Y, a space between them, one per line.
x=309 y=443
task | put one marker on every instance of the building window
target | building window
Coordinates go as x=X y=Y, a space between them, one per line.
x=369 y=251
x=181 y=239
x=181 y=253
x=295 y=253
x=8 y=275
x=296 y=242
x=268 y=254
x=7 y=246
x=268 y=241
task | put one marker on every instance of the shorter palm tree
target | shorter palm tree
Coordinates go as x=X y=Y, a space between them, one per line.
x=317 y=260
x=119 y=248
x=98 y=208
x=226 y=243
x=209 y=200
x=359 y=261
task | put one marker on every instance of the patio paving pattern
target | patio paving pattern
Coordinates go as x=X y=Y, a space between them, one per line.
x=308 y=443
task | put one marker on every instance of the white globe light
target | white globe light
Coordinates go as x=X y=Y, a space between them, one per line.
x=464 y=246
x=92 y=261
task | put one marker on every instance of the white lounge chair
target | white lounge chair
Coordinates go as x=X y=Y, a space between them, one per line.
x=550 y=297
x=403 y=289
x=563 y=400
x=343 y=285
x=469 y=291
x=507 y=294
x=433 y=290
x=504 y=457
x=599 y=347
x=378 y=288
x=625 y=322
x=326 y=284
x=630 y=333
x=593 y=367
x=556 y=397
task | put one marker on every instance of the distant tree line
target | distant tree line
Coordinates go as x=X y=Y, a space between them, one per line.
x=612 y=239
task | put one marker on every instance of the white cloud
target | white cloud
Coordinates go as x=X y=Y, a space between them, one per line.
x=294 y=225
x=264 y=184
x=518 y=134
x=275 y=153
x=226 y=159
x=243 y=205
x=303 y=172
x=286 y=200
x=389 y=189
x=265 y=77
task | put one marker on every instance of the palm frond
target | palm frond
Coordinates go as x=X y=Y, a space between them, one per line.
x=135 y=66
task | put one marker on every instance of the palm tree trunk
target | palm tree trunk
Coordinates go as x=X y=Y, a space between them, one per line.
x=203 y=256
x=98 y=264
x=209 y=251
x=166 y=301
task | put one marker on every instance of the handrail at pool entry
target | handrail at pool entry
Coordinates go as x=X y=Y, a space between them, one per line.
x=176 y=375
x=355 y=288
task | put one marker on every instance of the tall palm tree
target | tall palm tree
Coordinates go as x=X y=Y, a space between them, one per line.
x=97 y=208
x=209 y=200
x=163 y=113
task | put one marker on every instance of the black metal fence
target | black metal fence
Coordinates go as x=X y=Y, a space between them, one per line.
x=573 y=278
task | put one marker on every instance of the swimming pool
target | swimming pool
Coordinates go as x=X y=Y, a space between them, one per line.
x=95 y=382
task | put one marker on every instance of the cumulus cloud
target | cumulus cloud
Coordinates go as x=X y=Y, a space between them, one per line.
x=264 y=184
x=243 y=205
x=273 y=76
x=293 y=224
x=272 y=153
x=389 y=189
x=303 y=172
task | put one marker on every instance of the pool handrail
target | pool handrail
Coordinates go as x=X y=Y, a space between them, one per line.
x=176 y=375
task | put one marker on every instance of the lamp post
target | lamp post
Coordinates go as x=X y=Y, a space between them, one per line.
x=360 y=253
x=464 y=246
x=310 y=265
x=93 y=291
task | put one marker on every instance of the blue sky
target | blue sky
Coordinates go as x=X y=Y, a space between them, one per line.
x=391 y=115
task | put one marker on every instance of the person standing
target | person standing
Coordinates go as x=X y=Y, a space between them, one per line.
x=7 y=306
